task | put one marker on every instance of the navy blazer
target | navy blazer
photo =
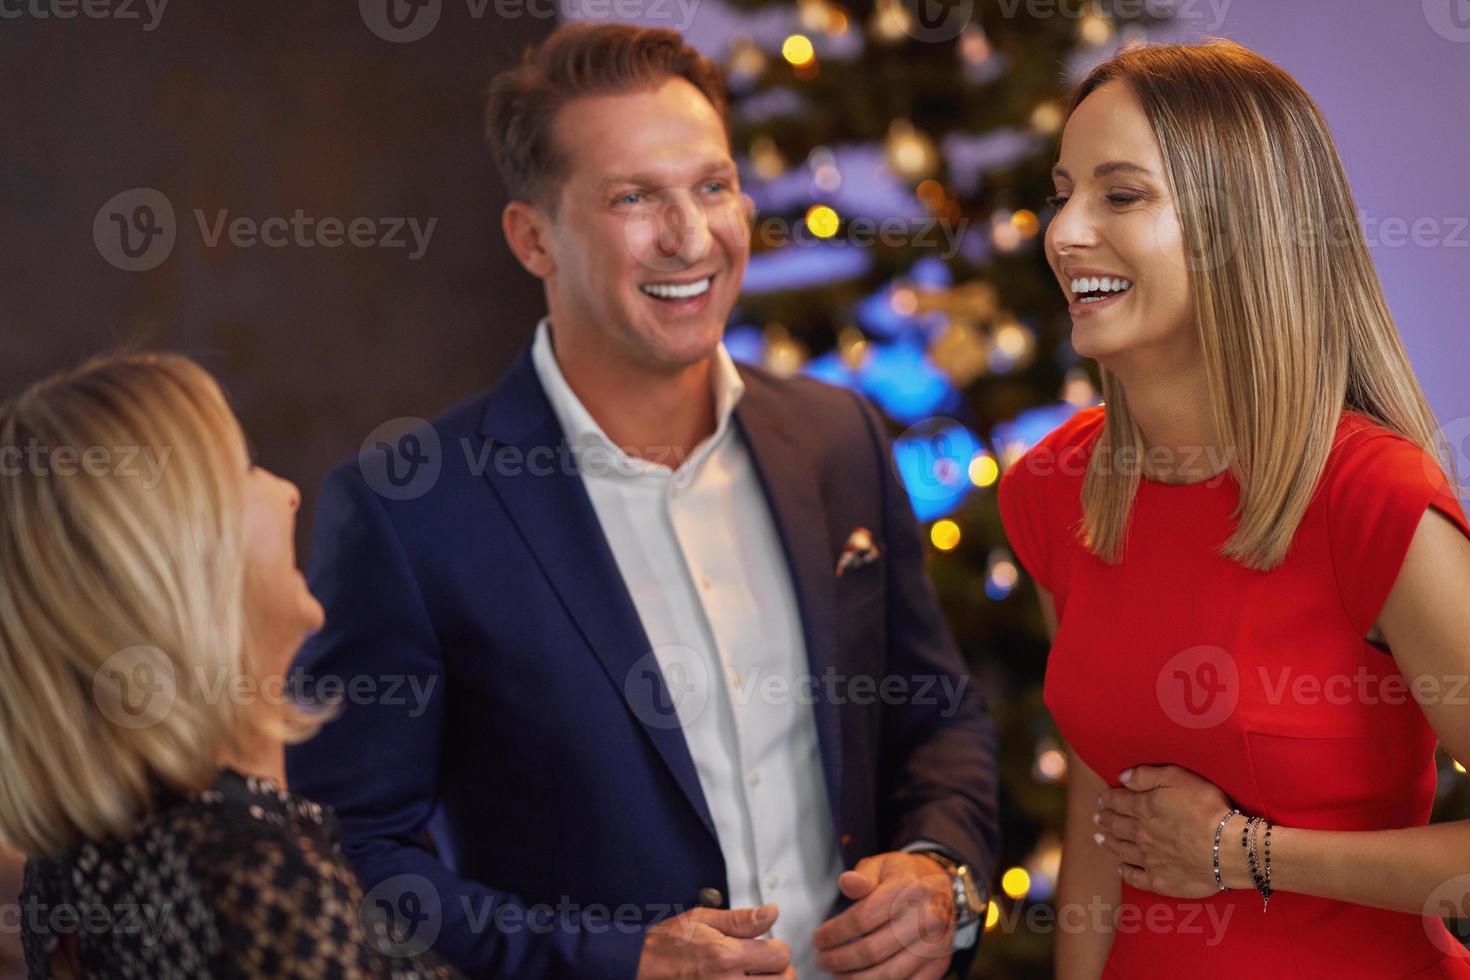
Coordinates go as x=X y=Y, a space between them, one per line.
x=509 y=775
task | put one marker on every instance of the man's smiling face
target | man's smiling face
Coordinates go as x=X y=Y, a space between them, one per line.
x=649 y=240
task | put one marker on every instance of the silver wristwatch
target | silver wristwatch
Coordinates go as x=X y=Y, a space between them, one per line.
x=969 y=904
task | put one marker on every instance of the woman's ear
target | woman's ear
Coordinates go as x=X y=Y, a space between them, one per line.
x=527 y=232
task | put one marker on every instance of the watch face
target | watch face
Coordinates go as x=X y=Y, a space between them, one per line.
x=967 y=896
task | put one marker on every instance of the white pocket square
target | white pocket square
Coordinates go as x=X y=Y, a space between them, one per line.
x=860 y=550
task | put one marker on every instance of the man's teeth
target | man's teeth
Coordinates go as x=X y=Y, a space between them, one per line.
x=669 y=290
x=1100 y=285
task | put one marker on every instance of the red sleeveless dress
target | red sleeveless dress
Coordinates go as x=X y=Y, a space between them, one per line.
x=1261 y=682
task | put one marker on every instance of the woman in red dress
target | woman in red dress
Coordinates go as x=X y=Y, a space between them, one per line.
x=1252 y=561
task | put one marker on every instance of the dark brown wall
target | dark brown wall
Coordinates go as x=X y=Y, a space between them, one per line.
x=263 y=108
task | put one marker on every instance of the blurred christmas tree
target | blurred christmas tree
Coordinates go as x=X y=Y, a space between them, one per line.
x=899 y=155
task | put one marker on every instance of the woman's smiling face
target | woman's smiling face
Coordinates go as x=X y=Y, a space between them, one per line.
x=1115 y=243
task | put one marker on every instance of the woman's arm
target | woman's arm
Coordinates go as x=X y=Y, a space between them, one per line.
x=1419 y=870
x=1088 y=890
x=1426 y=621
x=1088 y=887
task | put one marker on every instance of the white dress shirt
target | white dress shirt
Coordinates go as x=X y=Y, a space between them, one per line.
x=701 y=557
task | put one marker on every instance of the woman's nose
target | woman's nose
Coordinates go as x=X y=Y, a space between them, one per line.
x=1071 y=228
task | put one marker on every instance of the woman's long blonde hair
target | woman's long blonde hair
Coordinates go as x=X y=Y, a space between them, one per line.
x=122 y=584
x=1290 y=313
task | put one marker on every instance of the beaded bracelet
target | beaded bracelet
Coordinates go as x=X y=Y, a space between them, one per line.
x=1219 y=828
x=1266 y=892
x=1248 y=837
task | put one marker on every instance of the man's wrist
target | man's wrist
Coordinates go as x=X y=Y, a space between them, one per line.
x=969 y=899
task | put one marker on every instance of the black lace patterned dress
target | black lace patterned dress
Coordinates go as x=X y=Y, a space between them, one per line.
x=240 y=880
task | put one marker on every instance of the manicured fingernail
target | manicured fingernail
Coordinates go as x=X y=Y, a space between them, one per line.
x=1120 y=871
x=1097 y=819
x=1097 y=838
x=1099 y=799
x=1127 y=775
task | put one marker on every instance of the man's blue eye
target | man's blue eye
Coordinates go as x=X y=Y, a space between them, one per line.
x=630 y=198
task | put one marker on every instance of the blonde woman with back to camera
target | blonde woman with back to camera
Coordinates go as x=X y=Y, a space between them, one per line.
x=147 y=613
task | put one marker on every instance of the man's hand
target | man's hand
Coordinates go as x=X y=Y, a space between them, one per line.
x=901 y=923
x=717 y=943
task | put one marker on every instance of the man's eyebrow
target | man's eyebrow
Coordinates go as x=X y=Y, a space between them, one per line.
x=654 y=180
x=1103 y=169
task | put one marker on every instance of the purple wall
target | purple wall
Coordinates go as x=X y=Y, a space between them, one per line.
x=1393 y=79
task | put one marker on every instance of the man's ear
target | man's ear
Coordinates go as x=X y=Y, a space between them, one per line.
x=527 y=232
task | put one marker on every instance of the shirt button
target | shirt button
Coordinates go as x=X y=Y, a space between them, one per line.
x=704 y=581
x=772 y=881
x=755 y=779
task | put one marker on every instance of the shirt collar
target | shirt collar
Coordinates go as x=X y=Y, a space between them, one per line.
x=582 y=430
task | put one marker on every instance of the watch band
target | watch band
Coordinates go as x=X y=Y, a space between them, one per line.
x=969 y=905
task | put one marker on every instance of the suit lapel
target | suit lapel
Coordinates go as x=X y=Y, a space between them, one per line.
x=786 y=474
x=559 y=524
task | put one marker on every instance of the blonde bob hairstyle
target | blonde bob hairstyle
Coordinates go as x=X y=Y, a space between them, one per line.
x=120 y=581
x=1290 y=313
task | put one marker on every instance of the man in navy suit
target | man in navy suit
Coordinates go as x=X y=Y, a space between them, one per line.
x=686 y=705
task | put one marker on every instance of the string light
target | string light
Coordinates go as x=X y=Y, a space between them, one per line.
x=747 y=60
x=1016 y=882
x=983 y=470
x=768 y=161
x=1078 y=389
x=825 y=175
x=822 y=220
x=911 y=155
x=797 y=49
x=945 y=534
x=1095 y=28
x=891 y=20
x=1047 y=118
x=1026 y=223
x=814 y=15
x=905 y=301
x=1051 y=765
x=784 y=355
x=853 y=347
x=974 y=45
x=1001 y=575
